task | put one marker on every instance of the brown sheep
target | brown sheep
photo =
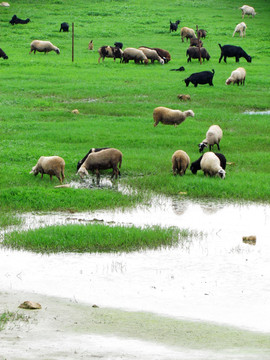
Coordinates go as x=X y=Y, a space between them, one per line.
x=51 y=165
x=170 y=117
x=180 y=162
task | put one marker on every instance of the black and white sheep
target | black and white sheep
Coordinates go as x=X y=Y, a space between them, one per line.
x=118 y=44
x=247 y=10
x=238 y=76
x=169 y=116
x=151 y=55
x=79 y=164
x=51 y=165
x=174 y=26
x=180 y=162
x=110 y=52
x=187 y=33
x=134 y=54
x=64 y=26
x=197 y=53
x=233 y=51
x=43 y=46
x=203 y=77
x=213 y=136
x=15 y=20
x=241 y=29
x=210 y=165
x=196 y=165
x=3 y=54
x=106 y=159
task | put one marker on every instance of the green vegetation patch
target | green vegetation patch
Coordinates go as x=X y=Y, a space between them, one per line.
x=9 y=316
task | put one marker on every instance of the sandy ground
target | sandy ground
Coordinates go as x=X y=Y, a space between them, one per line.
x=67 y=330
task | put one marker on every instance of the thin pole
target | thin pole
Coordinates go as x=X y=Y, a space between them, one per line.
x=72 y=42
x=199 y=44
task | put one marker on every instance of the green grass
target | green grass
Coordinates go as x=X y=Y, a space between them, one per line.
x=11 y=317
x=116 y=101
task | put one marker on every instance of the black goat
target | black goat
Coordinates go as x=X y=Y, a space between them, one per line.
x=64 y=27
x=233 y=51
x=174 y=26
x=16 y=20
x=3 y=54
x=203 y=77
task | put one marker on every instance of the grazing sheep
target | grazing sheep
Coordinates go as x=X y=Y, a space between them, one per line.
x=210 y=165
x=180 y=162
x=241 y=29
x=89 y=152
x=91 y=45
x=247 y=10
x=64 y=26
x=203 y=77
x=134 y=54
x=238 y=76
x=102 y=160
x=195 y=42
x=51 y=165
x=118 y=44
x=179 y=69
x=110 y=52
x=202 y=33
x=197 y=53
x=174 y=26
x=15 y=20
x=183 y=97
x=164 y=54
x=196 y=165
x=3 y=54
x=5 y=4
x=187 y=33
x=43 y=46
x=213 y=136
x=233 y=51
x=169 y=116
x=151 y=55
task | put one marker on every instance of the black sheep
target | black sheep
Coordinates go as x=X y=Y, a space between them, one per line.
x=118 y=44
x=64 y=27
x=233 y=51
x=174 y=26
x=16 y=20
x=3 y=54
x=89 y=152
x=203 y=77
x=196 y=165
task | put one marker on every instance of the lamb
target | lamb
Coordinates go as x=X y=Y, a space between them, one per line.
x=187 y=33
x=247 y=10
x=197 y=53
x=51 y=165
x=3 y=54
x=106 y=159
x=174 y=26
x=64 y=26
x=43 y=46
x=5 y=4
x=134 y=54
x=180 y=162
x=89 y=152
x=202 y=33
x=195 y=42
x=181 y=68
x=164 y=54
x=169 y=116
x=210 y=165
x=196 y=165
x=16 y=20
x=241 y=29
x=183 y=97
x=110 y=52
x=213 y=136
x=233 y=51
x=203 y=77
x=238 y=76
x=152 y=55
x=91 y=45
x=118 y=44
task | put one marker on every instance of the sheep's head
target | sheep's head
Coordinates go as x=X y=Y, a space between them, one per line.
x=222 y=173
x=249 y=58
x=34 y=171
x=82 y=172
x=146 y=61
x=190 y=113
x=228 y=81
x=202 y=145
x=57 y=51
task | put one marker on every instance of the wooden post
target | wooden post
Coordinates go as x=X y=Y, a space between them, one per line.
x=72 y=42
x=199 y=44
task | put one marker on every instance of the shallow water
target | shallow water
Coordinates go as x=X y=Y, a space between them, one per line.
x=266 y=112
x=215 y=277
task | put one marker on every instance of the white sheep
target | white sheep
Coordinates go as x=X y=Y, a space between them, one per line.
x=210 y=165
x=247 y=10
x=238 y=76
x=151 y=55
x=180 y=162
x=51 y=165
x=187 y=33
x=43 y=46
x=241 y=29
x=213 y=136
x=5 y=4
x=134 y=54
x=169 y=116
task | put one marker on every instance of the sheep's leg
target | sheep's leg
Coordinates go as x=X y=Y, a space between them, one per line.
x=218 y=147
x=221 y=56
x=237 y=59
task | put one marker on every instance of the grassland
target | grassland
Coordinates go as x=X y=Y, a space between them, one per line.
x=116 y=101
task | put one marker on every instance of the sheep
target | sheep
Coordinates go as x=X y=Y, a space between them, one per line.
x=118 y=44
x=203 y=77
x=196 y=165
x=213 y=136
x=174 y=26
x=102 y=160
x=210 y=165
x=238 y=76
x=241 y=29
x=51 y=165
x=187 y=33
x=151 y=55
x=233 y=51
x=89 y=152
x=195 y=42
x=16 y=20
x=180 y=162
x=169 y=116
x=247 y=10
x=164 y=54
x=64 y=26
x=110 y=52
x=134 y=54
x=197 y=53
x=202 y=33
x=3 y=54
x=5 y=4
x=91 y=45
x=181 y=68
x=43 y=46
x=183 y=97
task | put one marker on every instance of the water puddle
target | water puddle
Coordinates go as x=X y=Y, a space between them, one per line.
x=266 y=112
